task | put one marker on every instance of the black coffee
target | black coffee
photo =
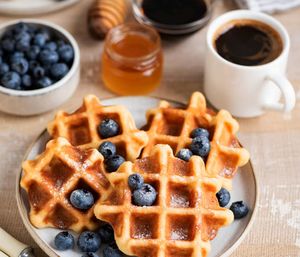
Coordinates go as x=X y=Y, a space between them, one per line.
x=248 y=42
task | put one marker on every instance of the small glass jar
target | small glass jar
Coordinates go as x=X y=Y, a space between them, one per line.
x=132 y=60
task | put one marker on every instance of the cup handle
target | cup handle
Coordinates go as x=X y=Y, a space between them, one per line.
x=288 y=93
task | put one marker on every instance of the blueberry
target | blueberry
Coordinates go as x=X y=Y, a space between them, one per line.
x=107 y=149
x=33 y=64
x=89 y=255
x=144 y=196
x=223 y=197
x=135 y=181
x=20 y=65
x=60 y=43
x=82 y=199
x=21 y=27
x=33 y=52
x=40 y=39
x=16 y=56
x=4 y=68
x=59 y=70
x=38 y=72
x=44 y=82
x=106 y=233
x=239 y=209
x=112 y=163
x=52 y=46
x=26 y=81
x=109 y=251
x=184 y=154
x=108 y=128
x=199 y=132
x=11 y=80
x=22 y=45
x=8 y=44
x=23 y=35
x=45 y=32
x=66 y=53
x=64 y=241
x=48 y=57
x=200 y=146
x=89 y=241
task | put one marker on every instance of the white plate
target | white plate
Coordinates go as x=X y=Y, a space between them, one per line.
x=244 y=188
x=32 y=7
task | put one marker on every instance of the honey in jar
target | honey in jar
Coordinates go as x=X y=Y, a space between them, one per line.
x=132 y=60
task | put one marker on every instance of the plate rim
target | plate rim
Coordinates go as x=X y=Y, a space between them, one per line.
x=48 y=250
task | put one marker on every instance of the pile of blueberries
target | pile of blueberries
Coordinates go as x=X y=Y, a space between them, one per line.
x=33 y=57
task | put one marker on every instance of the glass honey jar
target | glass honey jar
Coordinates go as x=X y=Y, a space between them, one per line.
x=132 y=60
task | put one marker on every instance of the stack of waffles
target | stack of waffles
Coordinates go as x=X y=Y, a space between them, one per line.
x=186 y=214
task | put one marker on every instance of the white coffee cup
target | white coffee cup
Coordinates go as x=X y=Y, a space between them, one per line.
x=247 y=91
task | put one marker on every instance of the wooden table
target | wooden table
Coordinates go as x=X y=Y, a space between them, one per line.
x=273 y=139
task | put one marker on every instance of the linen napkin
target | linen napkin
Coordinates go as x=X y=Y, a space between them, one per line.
x=268 y=6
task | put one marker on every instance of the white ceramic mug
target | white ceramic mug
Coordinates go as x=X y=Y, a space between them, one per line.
x=247 y=91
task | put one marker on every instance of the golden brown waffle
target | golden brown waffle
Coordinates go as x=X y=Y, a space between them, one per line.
x=182 y=221
x=52 y=176
x=173 y=126
x=80 y=128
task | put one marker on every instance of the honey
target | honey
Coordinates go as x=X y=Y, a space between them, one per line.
x=132 y=60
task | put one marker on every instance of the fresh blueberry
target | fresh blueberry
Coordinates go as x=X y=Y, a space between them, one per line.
x=239 y=209
x=144 y=196
x=89 y=255
x=184 y=154
x=82 y=199
x=109 y=251
x=40 y=39
x=15 y=56
x=26 y=81
x=44 y=82
x=8 y=44
x=52 y=46
x=108 y=128
x=4 y=68
x=60 y=43
x=33 y=52
x=45 y=32
x=20 y=27
x=59 y=70
x=20 y=65
x=112 y=163
x=89 y=242
x=199 y=132
x=38 y=72
x=23 y=35
x=223 y=197
x=135 y=181
x=11 y=80
x=66 y=53
x=22 y=45
x=200 y=146
x=48 y=57
x=106 y=233
x=107 y=149
x=64 y=241
x=33 y=64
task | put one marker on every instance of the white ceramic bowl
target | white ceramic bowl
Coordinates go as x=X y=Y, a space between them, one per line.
x=38 y=101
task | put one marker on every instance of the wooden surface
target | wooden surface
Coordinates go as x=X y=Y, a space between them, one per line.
x=273 y=139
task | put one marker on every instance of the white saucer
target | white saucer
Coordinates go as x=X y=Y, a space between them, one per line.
x=228 y=238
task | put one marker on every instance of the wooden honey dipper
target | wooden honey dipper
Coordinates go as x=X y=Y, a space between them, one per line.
x=105 y=15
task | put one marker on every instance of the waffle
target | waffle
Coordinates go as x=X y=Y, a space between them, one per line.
x=80 y=128
x=182 y=221
x=53 y=175
x=173 y=126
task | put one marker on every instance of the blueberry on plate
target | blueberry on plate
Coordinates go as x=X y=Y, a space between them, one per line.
x=66 y=53
x=23 y=35
x=107 y=149
x=33 y=52
x=89 y=241
x=135 y=181
x=59 y=70
x=109 y=251
x=64 y=241
x=15 y=56
x=239 y=209
x=82 y=199
x=11 y=80
x=40 y=39
x=48 y=57
x=8 y=44
x=20 y=65
x=112 y=163
x=44 y=82
x=184 y=154
x=50 y=46
x=223 y=197
x=200 y=132
x=145 y=196
x=38 y=71
x=26 y=81
x=200 y=146
x=108 y=128
x=20 y=27
x=89 y=255
x=4 y=68
x=22 y=45
x=106 y=233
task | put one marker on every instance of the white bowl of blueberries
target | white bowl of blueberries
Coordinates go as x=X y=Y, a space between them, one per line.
x=39 y=66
